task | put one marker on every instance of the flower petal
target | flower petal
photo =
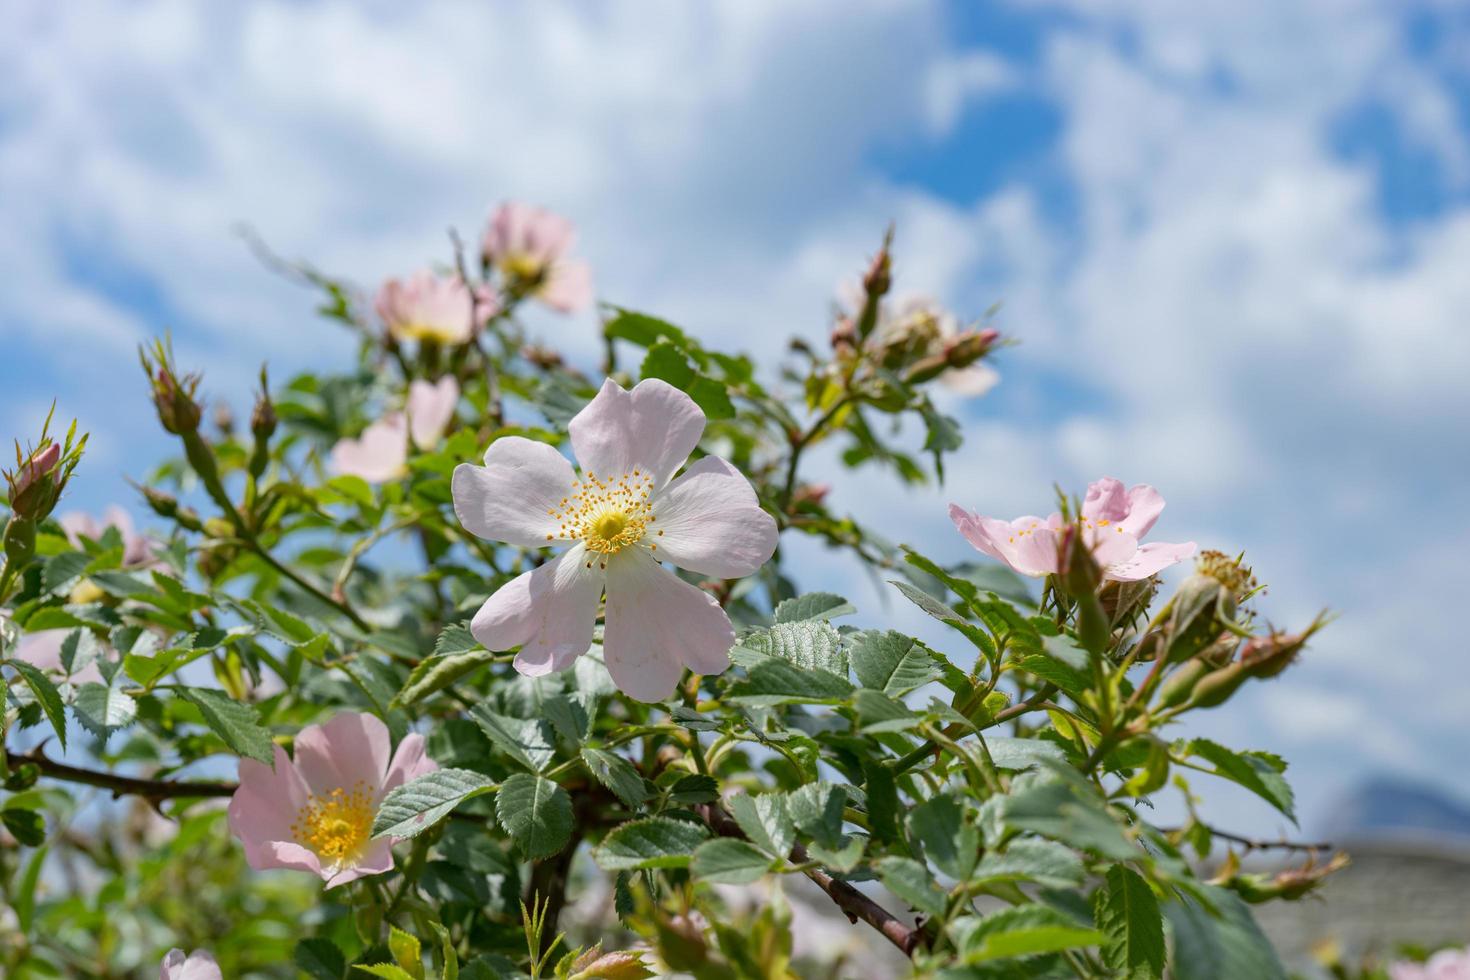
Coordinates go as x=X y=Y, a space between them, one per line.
x=1027 y=544
x=709 y=521
x=263 y=809
x=568 y=286
x=653 y=428
x=352 y=747
x=430 y=407
x=375 y=860
x=656 y=623
x=971 y=381
x=1110 y=545
x=199 y=966
x=511 y=498
x=1150 y=559
x=972 y=527
x=410 y=761
x=378 y=455
x=548 y=612
x=1106 y=500
x=1145 y=504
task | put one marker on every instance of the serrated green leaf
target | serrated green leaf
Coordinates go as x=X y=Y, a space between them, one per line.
x=103 y=709
x=536 y=813
x=418 y=804
x=946 y=615
x=46 y=696
x=1259 y=772
x=766 y=821
x=694 y=788
x=775 y=682
x=236 y=723
x=1021 y=753
x=320 y=959
x=888 y=661
x=388 y=971
x=949 y=840
x=727 y=861
x=27 y=826
x=528 y=741
x=653 y=842
x=668 y=363
x=816 y=809
x=407 y=952
x=712 y=397
x=813 y=605
x=912 y=882
x=1127 y=914
x=640 y=329
x=1066 y=808
x=1024 y=930
x=617 y=774
x=1222 y=943
x=880 y=713
x=63 y=569
x=811 y=643
x=1045 y=862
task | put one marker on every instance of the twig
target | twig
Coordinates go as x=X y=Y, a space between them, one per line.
x=1254 y=844
x=150 y=789
x=853 y=903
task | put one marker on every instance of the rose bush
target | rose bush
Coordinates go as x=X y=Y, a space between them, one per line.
x=498 y=658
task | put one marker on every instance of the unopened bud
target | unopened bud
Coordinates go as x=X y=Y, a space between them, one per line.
x=1216 y=687
x=543 y=357
x=969 y=346
x=178 y=412
x=165 y=505
x=1181 y=683
x=844 y=335
x=811 y=493
x=879 y=277
x=1267 y=656
x=1080 y=577
x=1291 y=884
x=33 y=485
x=262 y=427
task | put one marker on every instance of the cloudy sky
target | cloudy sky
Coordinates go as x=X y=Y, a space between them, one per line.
x=1233 y=238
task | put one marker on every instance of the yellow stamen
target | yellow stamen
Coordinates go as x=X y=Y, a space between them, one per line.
x=336 y=825
x=607 y=514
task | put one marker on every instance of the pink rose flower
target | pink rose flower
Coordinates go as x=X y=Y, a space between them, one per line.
x=380 y=454
x=199 y=965
x=1114 y=521
x=620 y=518
x=1447 y=964
x=42 y=650
x=137 y=549
x=315 y=813
x=426 y=306
x=529 y=246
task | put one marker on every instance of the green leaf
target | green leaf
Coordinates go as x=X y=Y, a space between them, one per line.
x=951 y=842
x=568 y=716
x=320 y=959
x=46 y=695
x=456 y=653
x=1067 y=808
x=1024 y=930
x=713 y=398
x=946 y=615
x=653 y=842
x=28 y=826
x=1045 y=862
x=418 y=804
x=667 y=362
x=810 y=643
x=774 y=682
x=536 y=813
x=618 y=775
x=890 y=662
x=388 y=971
x=766 y=821
x=813 y=605
x=1219 y=944
x=103 y=709
x=1127 y=913
x=880 y=713
x=528 y=741
x=728 y=861
x=25 y=895
x=1259 y=772
x=236 y=723
x=63 y=569
x=816 y=809
x=694 y=788
x=1021 y=753
x=640 y=329
x=912 y=882
x=407 y=951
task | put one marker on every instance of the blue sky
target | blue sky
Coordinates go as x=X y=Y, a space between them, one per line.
x=1232 y=237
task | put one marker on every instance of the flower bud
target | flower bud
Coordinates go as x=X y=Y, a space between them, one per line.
x=224 y=419
x=34 y=484
x=165 y=505
x=876 y=283
x=969 y=346
x=262 y=427
x=1181 y=683
x=1291 y=884
x=1216 y=687
x=1267 y=656
x=811 y=493
x=844 y=335
x=1080 y=577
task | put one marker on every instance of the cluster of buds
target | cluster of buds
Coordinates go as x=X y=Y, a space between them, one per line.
x=173 y=396
x=35 y=486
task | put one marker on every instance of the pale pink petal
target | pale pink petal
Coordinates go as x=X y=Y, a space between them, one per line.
x=263 y=809
x=652 y=428
x=1144 y=507
x=430 y=407
x=511 y=498
x=1106 y=500
x=410 y=761
x=351 y=748
x=427 y=306
x=379 y=455
x=972 y=527
x=709 y=521
x=199 y=965
x=78 y=525
x=568 y=286
x=1110 y=545
x=970 y=381
x=1028 y=544
x=548 y=612
x=656 y=624
x=376 y=859
x=1149 y=560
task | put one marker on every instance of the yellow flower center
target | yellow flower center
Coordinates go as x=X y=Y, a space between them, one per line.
x=607 y=515
x=336 y=825
x=522 y=268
